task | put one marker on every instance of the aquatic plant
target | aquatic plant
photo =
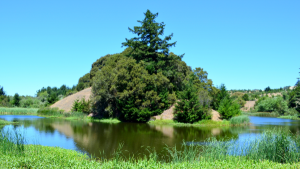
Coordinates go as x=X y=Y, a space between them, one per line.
x=243 y=119
x=17 y=110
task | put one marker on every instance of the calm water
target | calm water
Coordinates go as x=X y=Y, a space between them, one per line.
x=93 y=138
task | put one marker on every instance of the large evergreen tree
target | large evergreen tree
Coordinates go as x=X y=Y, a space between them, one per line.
x=148 y=46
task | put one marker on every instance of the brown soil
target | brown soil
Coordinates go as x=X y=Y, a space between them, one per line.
x=248 y=105
x=215 y=116
x=67 y=102
x=167 y=114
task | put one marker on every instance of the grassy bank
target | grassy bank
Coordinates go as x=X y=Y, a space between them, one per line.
x=238 y=120
x=274 y=149
x=262 y=114
x=289 y=117
x=18 y=111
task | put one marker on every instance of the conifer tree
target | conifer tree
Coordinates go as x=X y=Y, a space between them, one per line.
x=16 y=100
x=148 y=45
x=188 y=108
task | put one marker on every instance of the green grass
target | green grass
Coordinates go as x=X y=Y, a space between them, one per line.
x=275 y=149
x=4 y=122
x=18 y=111
x=108 y=120
x=261 y=114
x=240 y=120
x=289 y=117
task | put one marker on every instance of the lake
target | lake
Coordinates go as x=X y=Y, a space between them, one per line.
x=96 y=138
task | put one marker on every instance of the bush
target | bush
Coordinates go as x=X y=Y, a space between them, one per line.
x=82 y=106
x=291 y=112
x=228 y=108
x=272 y=104
x=188 y=109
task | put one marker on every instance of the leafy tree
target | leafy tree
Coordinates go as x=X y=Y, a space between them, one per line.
x=16 y=100
x=272 y=104
x=85 y=80
x=188 y=109
x=2 y=93
x=267 y=89
x=221 y=94
x=246 y=97
x=80 y=86
x=228 y=108
x=52 y=98
x=124 y=89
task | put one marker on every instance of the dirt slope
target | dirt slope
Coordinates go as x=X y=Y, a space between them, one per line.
x=168 y=114
x=248 y=105
x=67 y=102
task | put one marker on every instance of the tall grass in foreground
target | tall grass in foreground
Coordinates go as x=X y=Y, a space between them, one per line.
x=11 y=142
x=274 y=149
x=276 y=145
x=18 y=111
x=240 y=120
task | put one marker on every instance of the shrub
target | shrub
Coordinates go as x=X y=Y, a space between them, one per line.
x=228 y=108
x=82 y=106
x=188 y=109
x=272 y=104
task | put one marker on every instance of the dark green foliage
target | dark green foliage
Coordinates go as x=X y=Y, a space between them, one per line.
x=144 y=79
x=16 y=100
x=294 y=101
x=51 y=95
x=82 y=106
x=52 y=98
x=188 y=109
x=148 y=46
x=85 y=80
x=219 y=96
x=246 y=97
x=228 y=108
x=4 y=100
x=267 y=104
x=80 y=86
x=267 y=89
x=2 y=93
x=124 y=88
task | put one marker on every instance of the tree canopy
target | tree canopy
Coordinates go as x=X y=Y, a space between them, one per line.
x=146 y=78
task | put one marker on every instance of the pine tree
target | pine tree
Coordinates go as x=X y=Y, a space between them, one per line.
x=188 y=108
x=148 y=45
x=16 y=100
x=228 y=108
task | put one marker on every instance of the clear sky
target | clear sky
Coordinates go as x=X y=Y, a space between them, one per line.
x=244 y=44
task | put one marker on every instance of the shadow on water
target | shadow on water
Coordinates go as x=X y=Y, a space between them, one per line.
x=95 y=138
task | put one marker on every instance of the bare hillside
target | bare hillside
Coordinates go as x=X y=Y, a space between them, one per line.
x=248 y=105
x=67 y=102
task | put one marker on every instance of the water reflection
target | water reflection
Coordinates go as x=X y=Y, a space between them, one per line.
x=94 y=138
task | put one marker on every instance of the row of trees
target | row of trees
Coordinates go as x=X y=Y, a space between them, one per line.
x=6 y=101
x=52 y=94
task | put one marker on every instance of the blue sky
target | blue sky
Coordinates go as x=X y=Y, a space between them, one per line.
x=243 y=44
